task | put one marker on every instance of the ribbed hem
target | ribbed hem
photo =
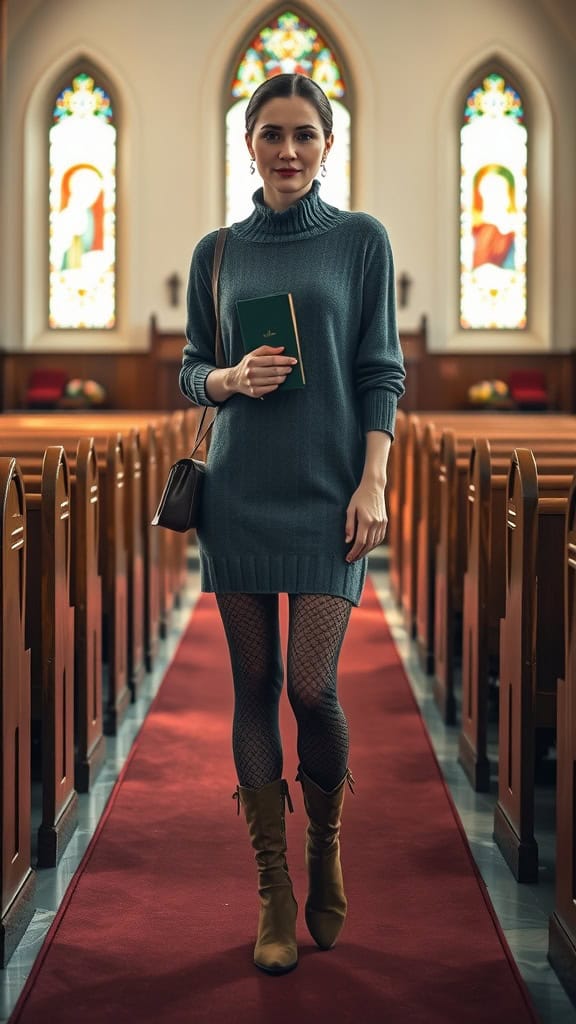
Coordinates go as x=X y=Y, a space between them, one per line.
x=282 y=574
x=304 y=219
x=379 y=410
x=193 y=384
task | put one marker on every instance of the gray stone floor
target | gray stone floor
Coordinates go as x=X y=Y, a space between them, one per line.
x=523 y=910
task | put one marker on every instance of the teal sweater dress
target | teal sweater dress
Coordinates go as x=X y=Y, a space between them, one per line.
x=281 y=471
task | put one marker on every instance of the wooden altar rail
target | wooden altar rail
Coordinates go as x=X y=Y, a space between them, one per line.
x=531 y=649
x=17 y=877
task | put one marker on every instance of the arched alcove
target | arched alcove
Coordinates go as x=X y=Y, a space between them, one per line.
x=447 y=333
x=37 y=333
x=285 y=40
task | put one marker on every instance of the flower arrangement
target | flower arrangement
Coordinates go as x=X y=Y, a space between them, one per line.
x=488 y=392
x=89 y=391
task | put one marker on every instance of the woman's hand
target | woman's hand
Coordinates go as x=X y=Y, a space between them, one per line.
x=366 y=519
x=260 y=372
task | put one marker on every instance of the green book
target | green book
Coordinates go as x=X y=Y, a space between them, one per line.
x=271 y=320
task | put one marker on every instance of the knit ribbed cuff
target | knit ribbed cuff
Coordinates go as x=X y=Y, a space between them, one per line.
x=193 y=384
x=379 y=410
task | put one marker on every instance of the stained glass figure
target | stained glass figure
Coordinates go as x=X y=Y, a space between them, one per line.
x=287 y=45
x=493 y=222
x=82 y=253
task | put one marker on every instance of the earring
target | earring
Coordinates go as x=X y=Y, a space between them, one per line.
x=323 y=168
x=252 y=167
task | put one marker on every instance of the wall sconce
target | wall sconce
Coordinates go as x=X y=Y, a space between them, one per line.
x=404 y=283
x=174 y=283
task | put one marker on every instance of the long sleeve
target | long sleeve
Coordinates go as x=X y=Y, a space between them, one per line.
x=379 y=363
x=199 y=357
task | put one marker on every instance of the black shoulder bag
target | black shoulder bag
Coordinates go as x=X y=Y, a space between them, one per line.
x=179 y=506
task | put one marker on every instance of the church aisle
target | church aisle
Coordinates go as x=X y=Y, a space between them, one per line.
x=411 y=951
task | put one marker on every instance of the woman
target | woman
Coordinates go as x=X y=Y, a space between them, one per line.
x=294 y=494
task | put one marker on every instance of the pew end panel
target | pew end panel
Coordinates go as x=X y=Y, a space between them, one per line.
x=51 y=618
x=444 y=596
x=113 y=569
x=472 y=754
x=427 y=540
x=87 y=600
x=397 y=487
x=410 y=511
x=18 y=878
x=535 y=529
x=562 y=924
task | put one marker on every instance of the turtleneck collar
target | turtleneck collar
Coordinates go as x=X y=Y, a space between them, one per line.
x=308 y=217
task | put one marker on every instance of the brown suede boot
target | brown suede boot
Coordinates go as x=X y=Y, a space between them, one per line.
x=326 y=904
x=275 y=950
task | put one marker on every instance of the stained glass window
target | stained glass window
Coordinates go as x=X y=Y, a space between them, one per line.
x=493 y=223
x=82 y=183
x=286 y=45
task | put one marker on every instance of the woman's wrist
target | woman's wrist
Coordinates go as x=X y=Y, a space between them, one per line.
x=219 y=384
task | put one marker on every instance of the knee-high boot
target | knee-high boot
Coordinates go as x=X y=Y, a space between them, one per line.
x=326 y=904
x=275 y=950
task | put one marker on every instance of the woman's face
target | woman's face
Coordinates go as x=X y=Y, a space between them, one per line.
x=287 y=144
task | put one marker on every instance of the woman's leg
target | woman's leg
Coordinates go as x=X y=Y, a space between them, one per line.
x=318 y=624
x=251 y=626
x=252 y=631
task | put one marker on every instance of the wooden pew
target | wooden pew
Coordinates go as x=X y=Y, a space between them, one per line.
x=451 y=549
x=466 y=426
x=162 y=439
x=18 y=878
x=484 y=596
x=110 y=453
x=396 y=504
x=562 y=924
x=409 y=527
x=531 y=649
x=86 y=597
x=50 y=637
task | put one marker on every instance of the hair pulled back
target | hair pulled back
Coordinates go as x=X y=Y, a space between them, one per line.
x=290 y=85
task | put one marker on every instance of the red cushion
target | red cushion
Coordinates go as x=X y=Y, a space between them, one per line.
x=47 y=394
x=529 y=395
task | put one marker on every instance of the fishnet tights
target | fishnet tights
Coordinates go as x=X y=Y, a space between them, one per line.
x=317 y=626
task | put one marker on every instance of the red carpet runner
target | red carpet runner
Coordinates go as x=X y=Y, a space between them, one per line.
x=159 y=921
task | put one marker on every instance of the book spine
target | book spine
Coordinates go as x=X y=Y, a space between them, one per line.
x=296 y=335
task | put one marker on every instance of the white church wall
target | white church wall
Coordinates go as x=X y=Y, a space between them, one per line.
x=170 y=62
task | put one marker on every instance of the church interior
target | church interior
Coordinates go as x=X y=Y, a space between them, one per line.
x=127 y=890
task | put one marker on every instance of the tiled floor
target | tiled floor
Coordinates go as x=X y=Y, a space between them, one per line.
x=523 y=910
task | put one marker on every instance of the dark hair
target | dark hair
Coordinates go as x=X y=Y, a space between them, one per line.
x=290 y=85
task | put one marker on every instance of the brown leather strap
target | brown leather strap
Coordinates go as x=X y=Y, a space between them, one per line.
x=220 y=243
x=218 y=347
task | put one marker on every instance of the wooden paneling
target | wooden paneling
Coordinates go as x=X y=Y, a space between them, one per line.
x=149 y=380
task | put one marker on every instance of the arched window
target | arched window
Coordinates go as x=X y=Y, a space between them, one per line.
x=493 y=222
x=82 y=202
x=286 y=44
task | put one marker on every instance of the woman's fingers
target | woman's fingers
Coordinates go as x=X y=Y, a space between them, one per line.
x=264 y=372
x=368 y=536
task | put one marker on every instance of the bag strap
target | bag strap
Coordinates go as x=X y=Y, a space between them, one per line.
x=218 y=347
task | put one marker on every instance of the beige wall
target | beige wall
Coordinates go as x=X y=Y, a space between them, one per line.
x=407 y=62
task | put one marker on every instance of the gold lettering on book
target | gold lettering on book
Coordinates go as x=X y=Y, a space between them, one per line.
x=269 y=333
